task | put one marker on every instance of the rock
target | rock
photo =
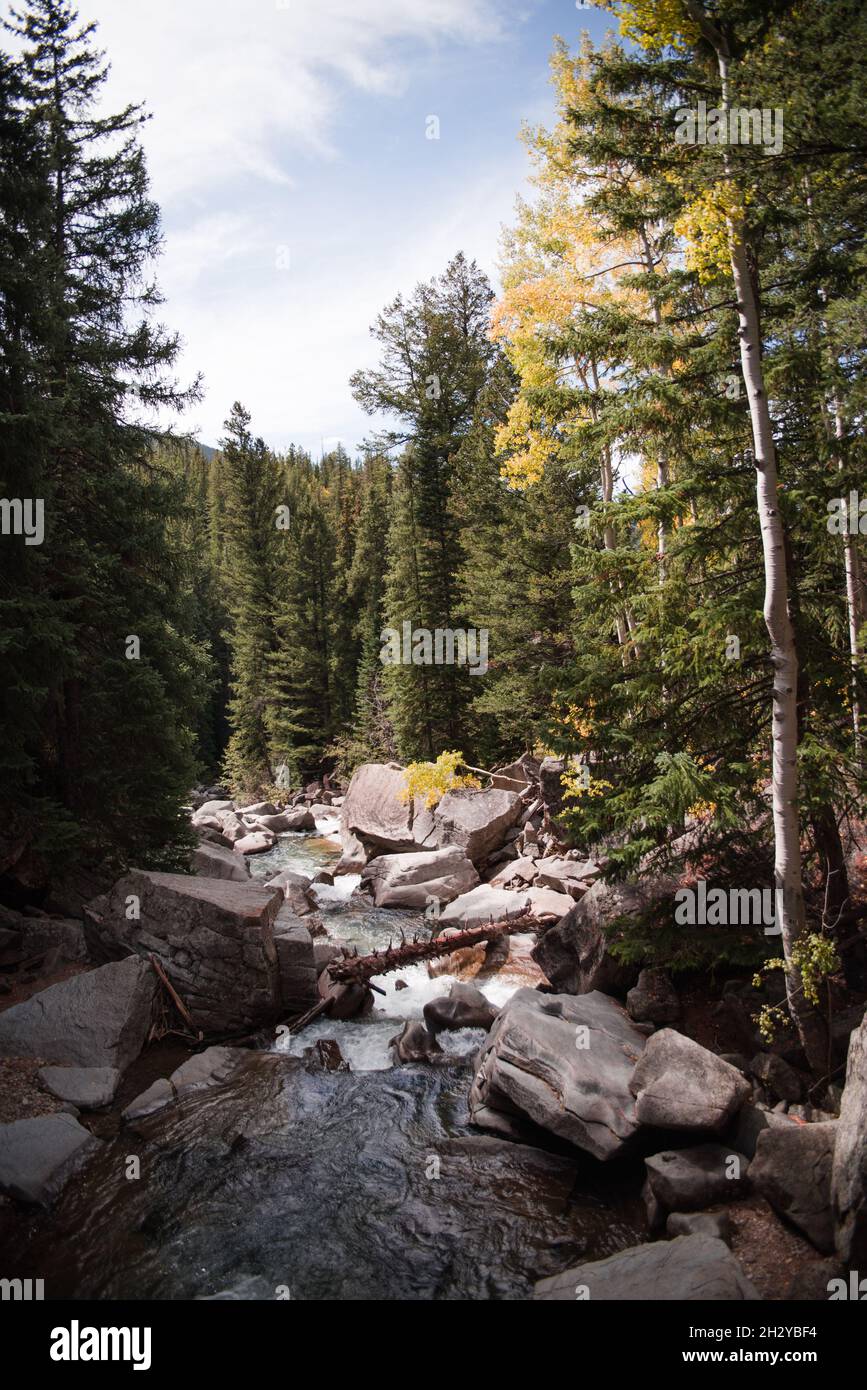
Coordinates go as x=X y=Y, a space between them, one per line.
x=654 y=999
x=751 y=1121
x=213 y=837
x=259 y=809
x=324 y=952
x=62 y=936
x=483 y=904
x=700 y=1223
x=97 y=1019
x=325 y=1053
x=296 y=962
x=575 y=953
x=354 y=856
x=211 y=809
x=214 y=939
x=408 y=880
x=814 y=1282
x=777 y=1077
x=463 y=1007
x=299 y=819
x=159 y=1093
x=680 y=1085
x=512 y=956
x=323 y=876
x=88 y=1088
x=521 y=871
x=551 y=785
x=849 y=1182
x=792 y=1169
x=259 y=842
x=565 y=1063
x=415 y=1044
x=518 y=776
x=345 y=1000
x=688 y=1269
x=39 y=1155
x=212 y=861
x=322 y=810
x=544 y=902
x=477 y=821
x=295 y=889
x=198 y=1073
x=689 y=1179
x=232 y=827
x=373 y=812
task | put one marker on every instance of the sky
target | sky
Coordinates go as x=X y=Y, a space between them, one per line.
x=288 y=149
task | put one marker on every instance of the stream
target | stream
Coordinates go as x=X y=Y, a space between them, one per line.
x=290 y=1181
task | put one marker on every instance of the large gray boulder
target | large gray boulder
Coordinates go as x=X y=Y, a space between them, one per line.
x=296 y=962
x=213 y=861
x=689 y=1269
x=87 y=1088
x=213 y=937
x=373 y=810
x=565 y=1063
x=680 y=1085
x=575 y=954
x=38 y=1156
x=475 y=820
x=483 y=904
x=463 y=1007
x=689 y=1179
x=100 y=1018
x=849 y=1178
x=792 y=1169
x=654 y=999
x=408 y=880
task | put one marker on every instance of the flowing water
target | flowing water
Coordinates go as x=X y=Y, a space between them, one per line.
x=368 y=1184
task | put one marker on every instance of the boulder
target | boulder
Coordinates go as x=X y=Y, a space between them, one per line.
x=212 y=861
x=544 y=902
x=751 y=1121
x=38 y=1156
x=210 y=810
x=849 y=1181
x=354 y=855
x=205 y=1069
x=521 y=871
x=295 y=889
x=483 y=904
x=551 y=785
x=100 y=1018
x=565 y=1063
x=654 y=999
x=680 y=1085
x=415 y=1044
x=463 y=1007
x=517 y=777
x=700 y=1223
x=792 y=1169
x=475 y=820
x=258 y=809
x=575 y=953
x=689 y=1269
x=295 y=961
x=87 y=1088
x=214 y=939
x=258 y=842
x=64 y=937
x=780 y=1080
x=689 y=1179
x=408 y=880
x=297 y=820
x=374 y=811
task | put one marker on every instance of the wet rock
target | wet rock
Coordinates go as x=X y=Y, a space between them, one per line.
x=354 y=856
x=325 y=1053
x=565 y=1063
x=214 y=938
x=205 y=1069
x=463 y=1007
x=345 y=1000
x=415 y=1044
x=780 y=1080
x=654 y=999
x=849 y=1183
x=213 y=861
x=38 y=1156
x=689 y=1179
x=688 y=1269
x=97 y=1019
x=409 y=880
x=700 y=1223
x=324 y=952
x=792 y=1169
x=680 y=1085
x=87 y=1088
x=250 y=1288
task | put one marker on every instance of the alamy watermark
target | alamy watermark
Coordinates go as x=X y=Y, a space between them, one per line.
x=737 y=126
x=23 y=516
x=444 y=646
x=729 y=907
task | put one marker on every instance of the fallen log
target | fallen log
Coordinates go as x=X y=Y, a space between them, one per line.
x=361 y=969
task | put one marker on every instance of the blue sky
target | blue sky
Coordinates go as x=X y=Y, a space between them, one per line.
x=299 y=191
